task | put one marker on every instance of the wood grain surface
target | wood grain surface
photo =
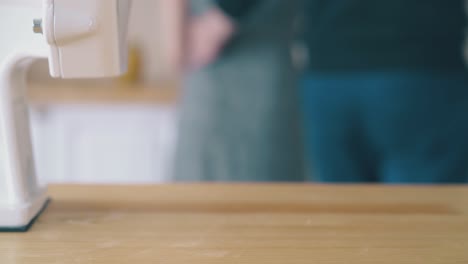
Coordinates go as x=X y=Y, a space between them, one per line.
x=246 y=224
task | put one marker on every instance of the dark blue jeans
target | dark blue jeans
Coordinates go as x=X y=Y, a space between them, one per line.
x=391 y=127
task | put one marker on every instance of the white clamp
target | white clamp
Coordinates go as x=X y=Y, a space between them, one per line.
x=21 y=197
x=87 y=38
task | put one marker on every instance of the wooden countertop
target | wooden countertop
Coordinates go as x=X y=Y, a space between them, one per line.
x=165 y=93
x=246 y=224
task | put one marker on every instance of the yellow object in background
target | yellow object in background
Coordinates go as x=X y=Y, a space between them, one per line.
x=134 y=66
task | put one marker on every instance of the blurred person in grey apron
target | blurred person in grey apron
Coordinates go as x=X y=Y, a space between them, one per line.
x=239 y=114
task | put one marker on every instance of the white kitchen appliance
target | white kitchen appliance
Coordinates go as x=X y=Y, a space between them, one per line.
x=87 y=39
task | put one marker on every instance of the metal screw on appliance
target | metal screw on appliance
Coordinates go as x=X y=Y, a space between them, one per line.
x=37 y=25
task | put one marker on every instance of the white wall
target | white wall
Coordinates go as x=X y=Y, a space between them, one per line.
x=154 y=27
x=104 y=143
x=145 y=31
x=16 y=28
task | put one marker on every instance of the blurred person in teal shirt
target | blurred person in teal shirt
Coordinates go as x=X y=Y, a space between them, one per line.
x=385 y=93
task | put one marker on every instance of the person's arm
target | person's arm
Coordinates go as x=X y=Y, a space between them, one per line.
x=209 y=32
x=198 y=40
x=207 y=35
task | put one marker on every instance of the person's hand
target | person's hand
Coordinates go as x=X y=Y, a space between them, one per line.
x=207 y=35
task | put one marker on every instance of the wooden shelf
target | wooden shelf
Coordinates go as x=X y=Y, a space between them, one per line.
x=166 y=93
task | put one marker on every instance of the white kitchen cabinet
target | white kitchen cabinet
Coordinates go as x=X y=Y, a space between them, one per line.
x=111 y=143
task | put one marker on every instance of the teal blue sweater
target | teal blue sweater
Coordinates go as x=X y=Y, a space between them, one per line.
x=346 y=35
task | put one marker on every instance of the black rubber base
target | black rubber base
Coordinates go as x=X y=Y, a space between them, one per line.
x=25 y=228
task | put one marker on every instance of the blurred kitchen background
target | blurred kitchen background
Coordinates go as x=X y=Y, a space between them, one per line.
x=125 y=129
x=116 y=130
